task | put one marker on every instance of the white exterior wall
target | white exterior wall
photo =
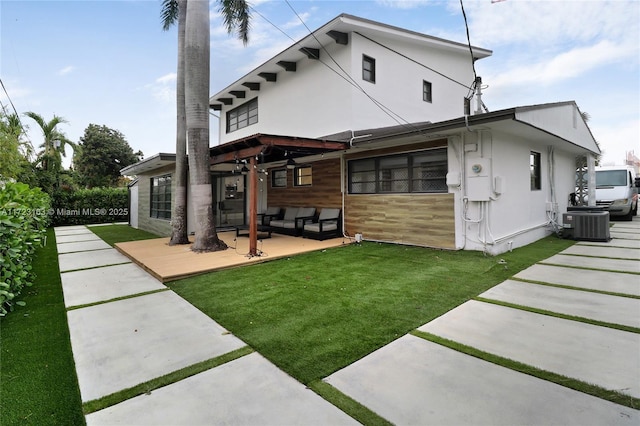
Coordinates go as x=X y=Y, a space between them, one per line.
x=314 y=101
x=518 y=216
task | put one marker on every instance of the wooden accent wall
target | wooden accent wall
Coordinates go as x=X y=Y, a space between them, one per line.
x=324 y=191
x=419 y=219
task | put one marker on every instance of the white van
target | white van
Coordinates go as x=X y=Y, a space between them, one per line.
x=616 y=189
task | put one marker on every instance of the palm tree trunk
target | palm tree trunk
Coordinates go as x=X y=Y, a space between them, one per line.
x=197 y=53
x=179 y=216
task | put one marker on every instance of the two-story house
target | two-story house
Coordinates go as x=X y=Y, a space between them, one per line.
x=375 y=120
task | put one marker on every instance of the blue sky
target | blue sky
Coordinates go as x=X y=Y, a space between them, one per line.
x=110 y=63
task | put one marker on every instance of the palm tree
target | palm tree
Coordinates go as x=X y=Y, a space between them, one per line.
x=196 y=60
x=173 y=10
x=54 y=144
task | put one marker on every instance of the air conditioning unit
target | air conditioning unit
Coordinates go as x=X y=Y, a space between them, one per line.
x=587 y=225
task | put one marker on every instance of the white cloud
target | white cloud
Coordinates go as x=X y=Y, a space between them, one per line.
x=163 y=88
x=404 y=4
x=167 y=79
x=566 y=65
x=66 y=70
x=616 y=140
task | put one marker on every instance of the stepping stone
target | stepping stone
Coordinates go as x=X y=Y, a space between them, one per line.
x=82 y=246
x=90 y=259
x=608 y=252
x=619 y=265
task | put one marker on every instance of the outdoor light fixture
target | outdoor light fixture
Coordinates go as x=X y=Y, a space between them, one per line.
x=244 y=170
x=291 y=164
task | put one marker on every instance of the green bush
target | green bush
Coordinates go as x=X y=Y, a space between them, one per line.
x=87 y=206
x=23 y=222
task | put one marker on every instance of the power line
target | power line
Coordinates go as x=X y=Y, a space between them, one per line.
x=24 y=131
x=473 y=64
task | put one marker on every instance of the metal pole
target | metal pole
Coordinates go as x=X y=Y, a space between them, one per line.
x=253 y=208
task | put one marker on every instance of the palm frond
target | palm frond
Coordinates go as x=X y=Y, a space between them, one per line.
x=237 y=19
x=169 y=13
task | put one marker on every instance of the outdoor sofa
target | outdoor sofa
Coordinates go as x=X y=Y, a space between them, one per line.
x=326 y=226
x=292 y=221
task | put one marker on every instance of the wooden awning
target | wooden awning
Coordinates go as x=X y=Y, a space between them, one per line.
x=272 y=148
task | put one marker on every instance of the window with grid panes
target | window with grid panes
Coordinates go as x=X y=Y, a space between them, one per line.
x=242 y=116
x=423 y=171
x=368 y=68
x=302 y=176
x=161 y=197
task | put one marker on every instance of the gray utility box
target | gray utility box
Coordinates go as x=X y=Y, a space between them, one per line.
x=587 y=225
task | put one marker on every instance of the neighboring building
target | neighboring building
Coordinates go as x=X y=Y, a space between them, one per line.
x=491 y=181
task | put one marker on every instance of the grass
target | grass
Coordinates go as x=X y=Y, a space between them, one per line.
x=37 y=371
x=315 y=313
x=120 y=233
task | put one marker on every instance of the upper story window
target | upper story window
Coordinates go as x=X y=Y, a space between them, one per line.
x=302 y=176
x=534 y=167
x=423 y=171
x=368 y=68
x=161 y=197
x=242 y=116
x=426 y=91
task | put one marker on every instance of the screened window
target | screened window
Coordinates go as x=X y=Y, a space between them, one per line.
x=424 y=171
x=426 y=91
x=279 y=178
x=302 y=176
x=534 y=166
x=161 y=197
x=368 y=69
x=242 y=116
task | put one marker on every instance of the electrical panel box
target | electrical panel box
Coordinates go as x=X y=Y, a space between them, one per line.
x=479 y=183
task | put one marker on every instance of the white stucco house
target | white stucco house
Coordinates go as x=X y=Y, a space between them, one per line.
x=377 y=121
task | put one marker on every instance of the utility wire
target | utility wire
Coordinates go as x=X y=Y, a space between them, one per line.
x=24 y=131
x=473 y=64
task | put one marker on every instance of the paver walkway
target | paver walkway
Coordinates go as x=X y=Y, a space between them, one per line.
x=127 y=328
x=415 y=381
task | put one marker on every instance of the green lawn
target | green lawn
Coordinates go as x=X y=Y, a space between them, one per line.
x=37 y=373
x=120 y=233
x=315 y=313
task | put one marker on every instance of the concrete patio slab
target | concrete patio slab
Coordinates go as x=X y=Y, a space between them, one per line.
x=615 y=282
x=595 y=306
x=123 y=343
x=628 y=235
x=416 y=382
x=616 y=242
x=82 y=246
x=71 y=230
x=599 y=355
x=620 y=265
x=106 y=283
x=635 y=224
x=74 y=238
x=247 y=391
x=599 y=251
x=107 y=224
x=90 y=259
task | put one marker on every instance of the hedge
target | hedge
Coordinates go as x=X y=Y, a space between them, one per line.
x=23 y=223
x=87 y=206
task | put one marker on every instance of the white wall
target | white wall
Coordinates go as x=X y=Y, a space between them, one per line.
x=315 y=101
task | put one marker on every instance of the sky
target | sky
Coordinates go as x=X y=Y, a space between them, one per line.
x=110 y=63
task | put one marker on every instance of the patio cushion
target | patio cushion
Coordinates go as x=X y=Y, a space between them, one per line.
x=289 y=219
x=306 y=212
x=272 y=211
x=329 y=214
x=326 y=226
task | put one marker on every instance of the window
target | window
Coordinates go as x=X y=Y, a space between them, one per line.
x=279 y=178
x=161 y=197
x=426 y=91
x=302 y=176
x=368 y=69
x=424 y=171
x=242 y=116
x=534 y=166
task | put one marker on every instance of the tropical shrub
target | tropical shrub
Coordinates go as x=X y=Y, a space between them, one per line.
x=87 y=206
x=23 y=222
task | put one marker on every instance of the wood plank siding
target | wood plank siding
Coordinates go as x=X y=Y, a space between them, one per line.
x=323 y=192
x=417 y=219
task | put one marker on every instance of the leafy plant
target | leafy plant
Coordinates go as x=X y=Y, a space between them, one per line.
x=23 y=222
x=86 y=206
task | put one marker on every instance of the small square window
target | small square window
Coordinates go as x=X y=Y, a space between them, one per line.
x=279 y=178
x=368 y=69
x=302 y=176
x=426 y=91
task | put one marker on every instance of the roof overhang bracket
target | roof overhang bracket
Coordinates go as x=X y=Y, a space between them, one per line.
x=226 y=101
x=311 y=52
x=339 y=37
x=269 y=76
x=251 y=86
x=238 y=93
x=287 y=65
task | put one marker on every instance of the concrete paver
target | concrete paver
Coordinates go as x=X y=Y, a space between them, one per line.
x=594 y=354
x=627 y=234
x=612 y=252
x=416 y=382
x=620 y=265
x=247 y=391
x=586 y=304
x=82 y=246
x=90 y=259
x=123 y=343
x=71 y=230
x=74 y=238
x=615 y=242
x=615 y=282
x=105 y=283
